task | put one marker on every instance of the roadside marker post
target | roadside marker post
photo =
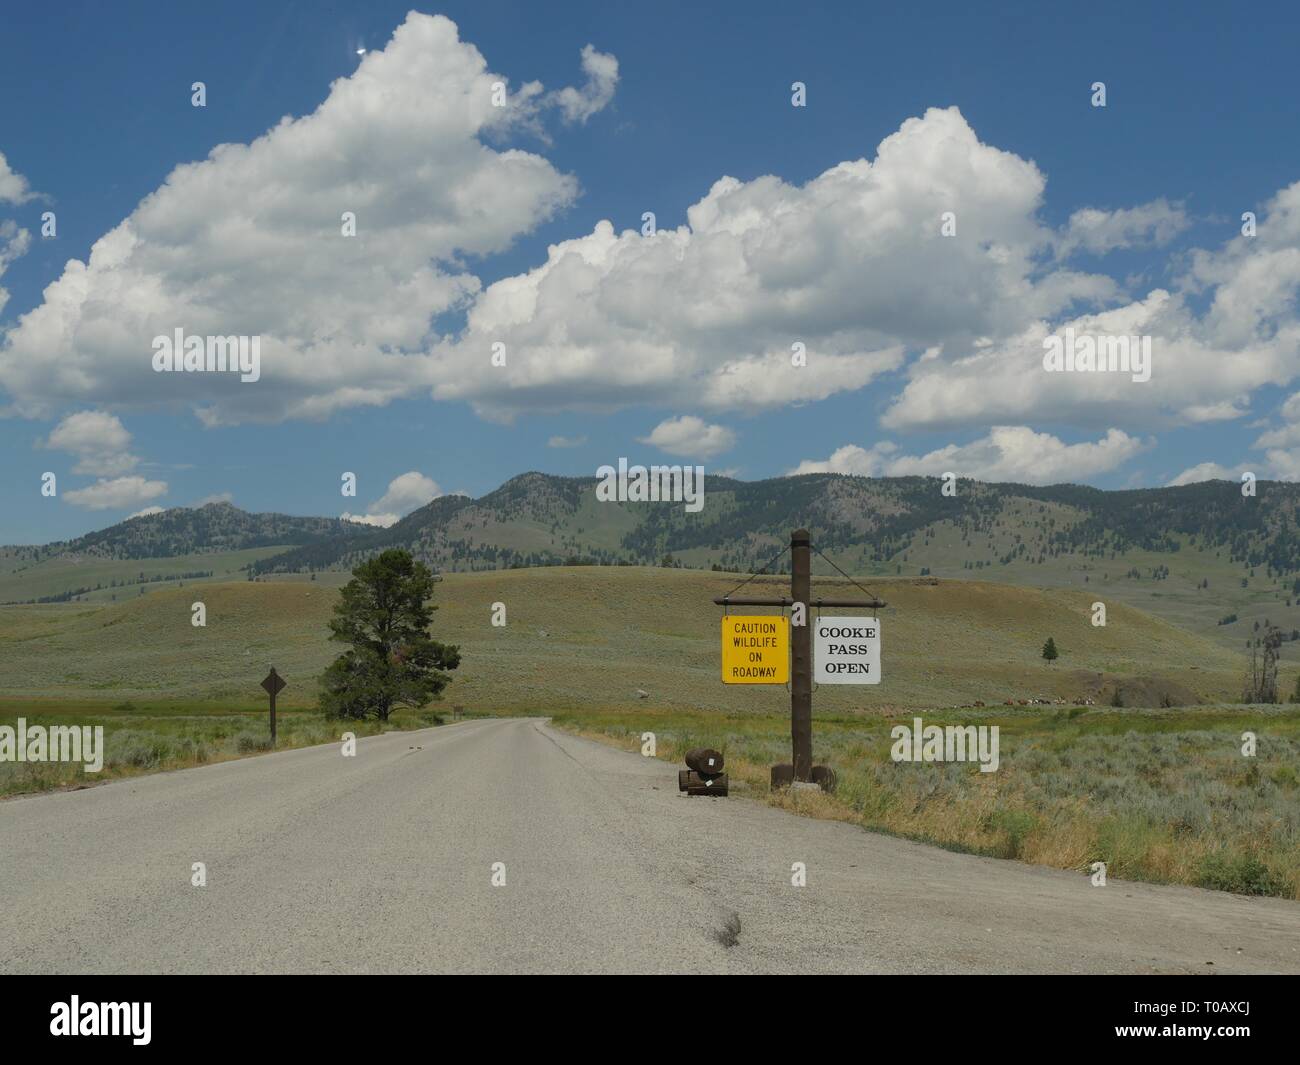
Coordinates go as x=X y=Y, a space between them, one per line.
x=274 y=685
x=801 y=672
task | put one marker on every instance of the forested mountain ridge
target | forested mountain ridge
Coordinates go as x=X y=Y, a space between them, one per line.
x=873 y=524
x=538 y=519
x=193 y=530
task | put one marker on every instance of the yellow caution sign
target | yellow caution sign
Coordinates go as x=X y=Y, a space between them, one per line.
x=755 y=649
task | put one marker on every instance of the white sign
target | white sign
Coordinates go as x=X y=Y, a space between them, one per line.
x=846 y=651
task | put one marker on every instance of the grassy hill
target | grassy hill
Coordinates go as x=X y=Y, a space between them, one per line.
x=592 y=636
x=1201 y=557
x=872 y=523
x=186 y=530
x=72 y=576
x=1197 y=555
x=216 y=541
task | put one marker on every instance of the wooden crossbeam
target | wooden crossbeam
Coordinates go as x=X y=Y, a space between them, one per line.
x=872 y=604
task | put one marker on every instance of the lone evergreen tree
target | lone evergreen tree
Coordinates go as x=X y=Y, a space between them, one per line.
x=385 y=612
x=1049 y=650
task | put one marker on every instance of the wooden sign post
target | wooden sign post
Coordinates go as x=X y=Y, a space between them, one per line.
x=274 y=685
x=801 y=671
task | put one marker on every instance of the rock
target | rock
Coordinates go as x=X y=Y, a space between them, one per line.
x=642 y=694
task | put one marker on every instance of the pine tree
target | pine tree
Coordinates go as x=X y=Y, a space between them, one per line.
x=384 y=612
x=1049 y=650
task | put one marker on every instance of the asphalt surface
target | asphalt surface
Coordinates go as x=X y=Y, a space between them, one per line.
x=384 y=863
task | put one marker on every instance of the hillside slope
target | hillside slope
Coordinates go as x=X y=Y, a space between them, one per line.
x=1202 y=556
x=594 y=636
x=190 y=530
x=869 y=522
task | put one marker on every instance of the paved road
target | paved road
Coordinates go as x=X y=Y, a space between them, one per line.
x=383 y=863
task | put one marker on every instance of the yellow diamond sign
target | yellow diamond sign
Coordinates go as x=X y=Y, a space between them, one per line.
x=755 y=649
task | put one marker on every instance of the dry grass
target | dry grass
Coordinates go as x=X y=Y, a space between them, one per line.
x=137 y=743
x=591 y=636
x=1162 y=796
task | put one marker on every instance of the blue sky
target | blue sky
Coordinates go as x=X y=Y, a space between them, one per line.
x=1199 y=127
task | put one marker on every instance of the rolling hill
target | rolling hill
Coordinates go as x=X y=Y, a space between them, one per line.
x=874 y=524
x=592 y=637
x=1203 y=557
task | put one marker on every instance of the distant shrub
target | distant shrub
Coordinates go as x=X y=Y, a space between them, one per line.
x=142 y=750
x=1243 y=874
x=1015 y=826
x=1285 y=776
x=252 y=741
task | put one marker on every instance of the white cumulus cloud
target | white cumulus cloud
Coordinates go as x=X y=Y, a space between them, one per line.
x=1203 y=471
x=13 y=186
x=116 y=494
x=249 y=242
x=1008 y=453
x=1097 y=231
x=690 y=436
x=405 y=493
x=99 y=441
x=851 y=265
x=1226 y=327
x=14 y=243
x=601 y=69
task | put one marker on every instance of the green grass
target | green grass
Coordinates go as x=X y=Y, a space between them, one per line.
x=140 y=740
x=1158 y=795
x=24 y=581
x=594 y=636
x=1178 y=598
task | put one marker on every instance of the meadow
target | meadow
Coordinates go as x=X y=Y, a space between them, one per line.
x=180 y=737
x=1158 y=795
x=590 y=636
x=107 y=580
x=612 y=652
